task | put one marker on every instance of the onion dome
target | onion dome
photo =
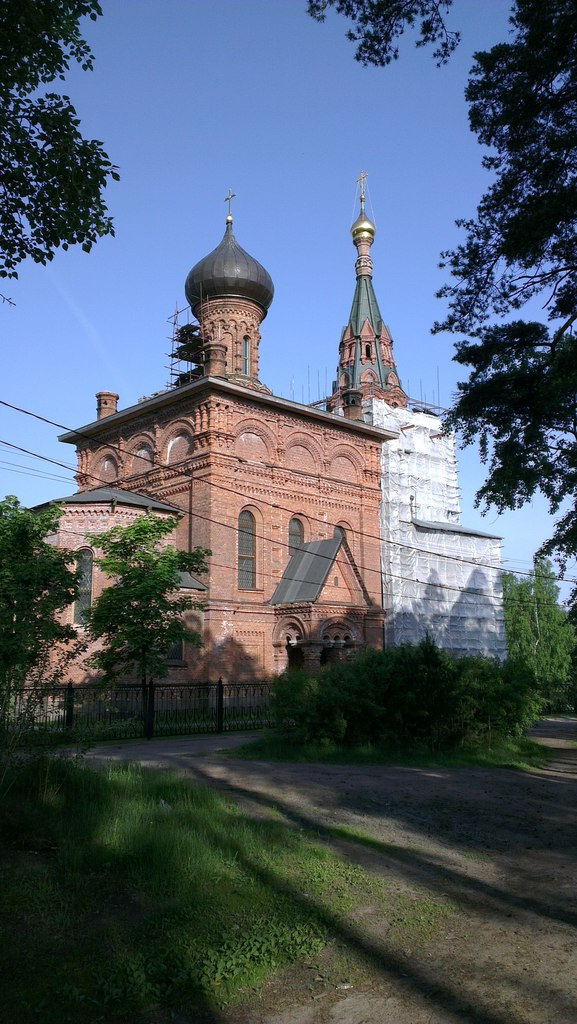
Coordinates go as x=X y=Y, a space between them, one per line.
x=363 y=228
x=229 y=271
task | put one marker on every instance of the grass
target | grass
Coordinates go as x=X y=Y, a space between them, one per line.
x=521 y=754
x=126 y=889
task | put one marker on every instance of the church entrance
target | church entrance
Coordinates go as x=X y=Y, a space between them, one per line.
x=295 y=657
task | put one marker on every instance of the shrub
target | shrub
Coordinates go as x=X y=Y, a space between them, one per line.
x=417 y=696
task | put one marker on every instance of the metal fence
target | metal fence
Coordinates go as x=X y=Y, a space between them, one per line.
x=132 y=711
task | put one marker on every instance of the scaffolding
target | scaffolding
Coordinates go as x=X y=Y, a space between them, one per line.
x=186 y=351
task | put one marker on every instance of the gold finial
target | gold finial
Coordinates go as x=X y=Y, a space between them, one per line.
x=361 y=183
x=228 y=199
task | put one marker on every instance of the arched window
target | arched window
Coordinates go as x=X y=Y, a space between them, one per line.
x=178 y=449
x=296 y=536
x=367 y=351
x=108 y=470
x=84 y=562
x=246 y=551
x=246 y=355
x=143 y=459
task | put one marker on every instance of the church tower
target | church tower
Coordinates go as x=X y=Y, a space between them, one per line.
x=229 y=293
x=366 y=366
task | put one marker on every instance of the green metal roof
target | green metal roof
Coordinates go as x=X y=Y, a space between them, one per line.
x=365 y=307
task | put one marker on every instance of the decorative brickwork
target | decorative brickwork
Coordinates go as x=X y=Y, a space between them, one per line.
x=219 y=450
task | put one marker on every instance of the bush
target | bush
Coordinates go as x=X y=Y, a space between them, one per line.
x=408 y=697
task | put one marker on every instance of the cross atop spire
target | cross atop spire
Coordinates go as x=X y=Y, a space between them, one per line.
x=361 y=183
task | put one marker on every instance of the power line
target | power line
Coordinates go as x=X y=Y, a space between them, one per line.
x=367 y=536
x=480 y=598
x=291 y=511
x=386 y=573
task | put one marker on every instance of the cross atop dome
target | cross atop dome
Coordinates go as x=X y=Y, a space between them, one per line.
x=228 y=199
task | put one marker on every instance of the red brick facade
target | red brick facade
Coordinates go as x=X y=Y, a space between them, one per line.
x=214 y=449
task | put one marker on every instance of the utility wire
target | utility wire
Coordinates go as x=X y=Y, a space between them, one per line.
x=485 y=599
x=160 y=465
x=367 y=536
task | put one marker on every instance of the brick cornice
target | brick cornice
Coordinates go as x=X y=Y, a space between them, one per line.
x=165 y=402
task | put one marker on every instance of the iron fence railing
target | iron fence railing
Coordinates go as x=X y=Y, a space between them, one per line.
x=132 y=711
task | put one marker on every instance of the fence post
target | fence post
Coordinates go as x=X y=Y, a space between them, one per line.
x=149 y=711
x=220 y=706
x=69 y=706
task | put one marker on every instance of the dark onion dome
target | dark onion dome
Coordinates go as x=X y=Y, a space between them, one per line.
x=229 y=270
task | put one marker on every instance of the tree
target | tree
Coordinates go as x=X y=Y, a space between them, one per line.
x=51 y=177
x=520 y=398
x=521 y=395
x=37 y=582
x=379 y=23
x=139 y=616
x=539 y=633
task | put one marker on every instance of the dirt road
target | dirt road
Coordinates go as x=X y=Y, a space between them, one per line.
x=499 y=847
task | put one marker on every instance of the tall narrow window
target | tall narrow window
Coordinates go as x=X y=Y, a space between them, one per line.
x=246 y=355
x=175 y=652
x=296 y=535
x=84 y=597
x=246 y=551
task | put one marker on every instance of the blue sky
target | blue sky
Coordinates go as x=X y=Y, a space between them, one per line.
x=190 y=98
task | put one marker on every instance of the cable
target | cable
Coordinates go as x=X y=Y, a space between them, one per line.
x=386 y=573
x=16 y=467
x=160 y=465
x=481 y=598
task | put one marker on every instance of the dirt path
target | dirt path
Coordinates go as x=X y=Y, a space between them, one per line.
x=499 y=847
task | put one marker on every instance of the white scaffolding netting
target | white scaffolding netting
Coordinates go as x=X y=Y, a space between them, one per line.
x=439 y=578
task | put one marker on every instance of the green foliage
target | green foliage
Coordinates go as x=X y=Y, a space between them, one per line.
x=520 y=394
x=52 y=178
x=540 y=634
x=377 y=24
x=138 y=617
x=37 y=582
x=408 y=697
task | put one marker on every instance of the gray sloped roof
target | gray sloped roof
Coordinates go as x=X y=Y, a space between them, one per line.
x=306 y=572
x=110 y=495
x=188 y=582
x=423 y=524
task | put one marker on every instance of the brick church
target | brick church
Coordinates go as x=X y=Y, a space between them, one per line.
x=331 y=529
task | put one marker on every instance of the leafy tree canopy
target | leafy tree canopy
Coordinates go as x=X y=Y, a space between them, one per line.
x=539 y=633
x=37 y=582
x=378 y=24
x=140 y=615
x=52 y=178
x=520 y=397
